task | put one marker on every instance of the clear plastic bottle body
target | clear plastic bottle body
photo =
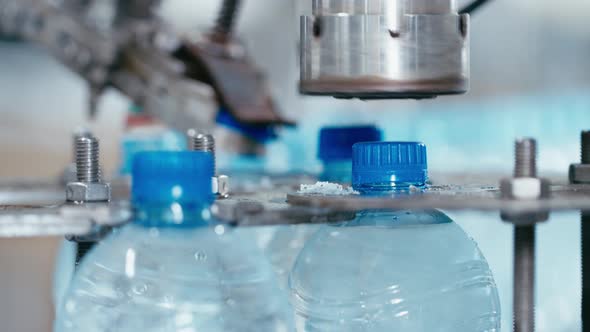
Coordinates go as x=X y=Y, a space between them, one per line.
x=401 y=271
x=285 y=246
x=174 y=279
x=142 y=133
x=287 y=241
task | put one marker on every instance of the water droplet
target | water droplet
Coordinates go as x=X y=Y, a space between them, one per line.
x=71 y=306
x=140 y=289
x=219 y=229
x=154 y=232
x=200 y=256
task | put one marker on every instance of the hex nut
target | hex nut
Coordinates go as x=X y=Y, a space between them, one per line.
x=525 y=188
x=579 y=173
x=80 y=192
x=525 y=218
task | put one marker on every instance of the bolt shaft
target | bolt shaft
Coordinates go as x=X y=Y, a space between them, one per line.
x=87 y=162
x=202 y=142
x=526 y=158
x=585 y=144
x=585 y=241
x=227 y=17
x=79 y=133
x=524 y=278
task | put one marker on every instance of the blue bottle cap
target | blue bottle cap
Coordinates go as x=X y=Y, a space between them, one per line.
x=335 y=143
x=387 y=166
x=182 y=177
x=258 y=133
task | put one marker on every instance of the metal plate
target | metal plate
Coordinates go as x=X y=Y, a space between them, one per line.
x=33 y=221
x=271 y=208
x=278 y=206
x=453 y=197
x=31 y=192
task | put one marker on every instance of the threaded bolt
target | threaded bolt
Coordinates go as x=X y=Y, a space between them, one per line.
x=87 y=162
x=585 y=144
x=200 y=141
x=227 y=17
x=526 y=158
x=79 y=133
x=524 y=278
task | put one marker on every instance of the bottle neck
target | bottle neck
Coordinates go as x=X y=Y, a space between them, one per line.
x=388 y=218
x=173 y=215
x=384 y=182
x=390 y=189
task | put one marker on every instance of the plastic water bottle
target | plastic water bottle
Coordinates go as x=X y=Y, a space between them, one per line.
x=142 y=133
x=394 y=270
x=335 y=152
x=174 y=268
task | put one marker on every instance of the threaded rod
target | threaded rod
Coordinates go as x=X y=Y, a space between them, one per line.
x=585 y=144
x=585 y=239
x=526 y=158
x=524 y=278
x=87 y=162
x=227 y=17
x=83 y=248
x=203 y=142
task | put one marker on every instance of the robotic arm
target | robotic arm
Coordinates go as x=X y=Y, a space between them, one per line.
x=173 y=78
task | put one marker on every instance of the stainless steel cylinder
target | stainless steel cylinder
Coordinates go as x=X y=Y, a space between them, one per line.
x=384 y=49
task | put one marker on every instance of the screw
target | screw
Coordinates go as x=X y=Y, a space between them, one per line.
x=526 y=158
x=585 y=237
x=200 y=141
x=227 y=17
x=580 y=173
x=585 y=144
x=87 y=162
x=79 y=133
x=525 y=166
x=524 y=279
x=585 y=264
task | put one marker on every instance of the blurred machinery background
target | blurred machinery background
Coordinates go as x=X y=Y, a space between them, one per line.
x=529 y=77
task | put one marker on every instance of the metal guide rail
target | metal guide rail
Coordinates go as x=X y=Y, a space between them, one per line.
x=38 y=209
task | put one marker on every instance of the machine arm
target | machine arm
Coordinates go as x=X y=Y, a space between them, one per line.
x=173 y=78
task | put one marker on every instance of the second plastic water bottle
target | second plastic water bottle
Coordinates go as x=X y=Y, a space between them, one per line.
x=396 y=270
x=335 y=152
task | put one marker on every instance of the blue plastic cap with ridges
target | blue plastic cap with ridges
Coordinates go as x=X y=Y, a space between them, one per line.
x=386 y=166
x=335 y=143
x=172 y=177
